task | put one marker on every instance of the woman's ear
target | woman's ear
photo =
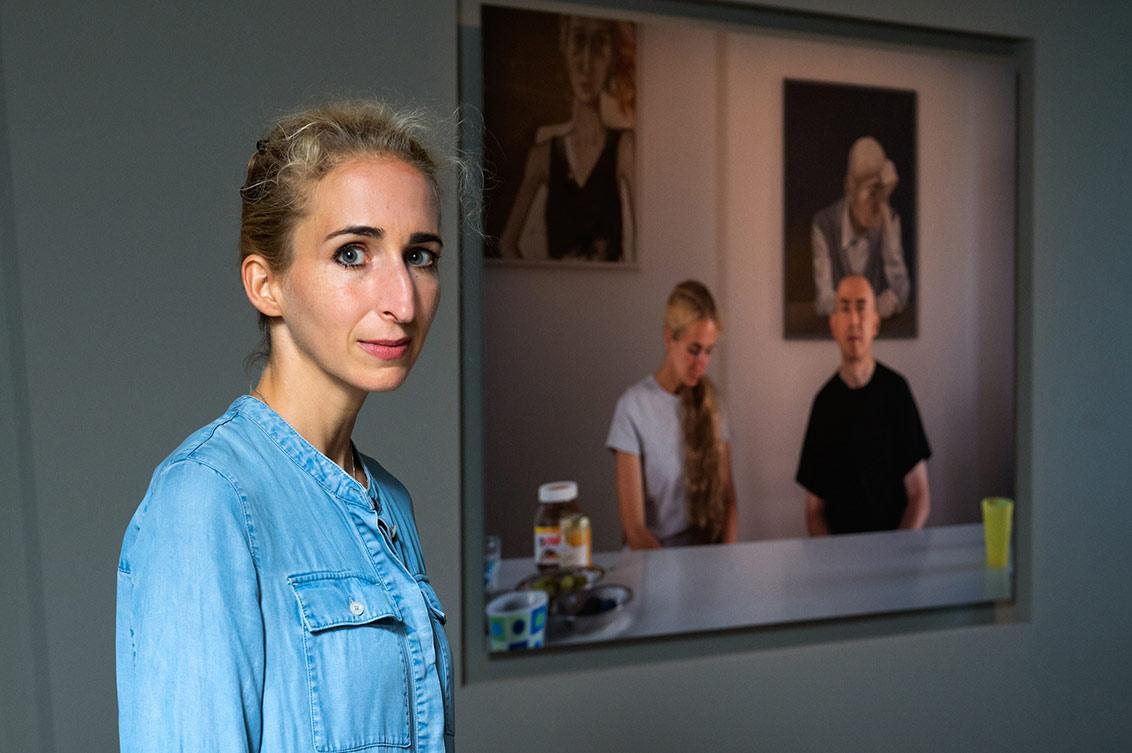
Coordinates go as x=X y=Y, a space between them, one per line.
x=260 y=285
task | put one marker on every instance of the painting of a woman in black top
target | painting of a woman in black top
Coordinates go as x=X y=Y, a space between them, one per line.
x=559 y=97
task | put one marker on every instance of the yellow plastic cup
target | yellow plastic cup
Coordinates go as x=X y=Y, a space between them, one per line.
x=997 y=515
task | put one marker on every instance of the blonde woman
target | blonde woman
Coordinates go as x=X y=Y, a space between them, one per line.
x=670 y=439
x=271 y=590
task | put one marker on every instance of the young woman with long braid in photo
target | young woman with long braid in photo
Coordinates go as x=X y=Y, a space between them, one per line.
x=671 y=440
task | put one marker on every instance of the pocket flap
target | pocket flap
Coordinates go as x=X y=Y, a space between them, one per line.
x=334 y=599
x=433 y=601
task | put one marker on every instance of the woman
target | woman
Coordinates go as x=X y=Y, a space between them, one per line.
x=670 y=439
x=271 y=590
x=582 y=169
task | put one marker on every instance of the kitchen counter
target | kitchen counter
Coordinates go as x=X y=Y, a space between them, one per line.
x=689 y=589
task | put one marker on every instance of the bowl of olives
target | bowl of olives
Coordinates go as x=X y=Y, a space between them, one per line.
x=559 y=583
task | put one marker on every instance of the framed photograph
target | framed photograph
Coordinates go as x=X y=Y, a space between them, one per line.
x=849 y=167
x=559 y=115
x=754 y=143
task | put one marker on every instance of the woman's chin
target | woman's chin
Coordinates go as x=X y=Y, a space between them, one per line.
x=387 y=380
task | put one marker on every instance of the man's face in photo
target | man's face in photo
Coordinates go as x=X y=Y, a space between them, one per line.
x=854 y=322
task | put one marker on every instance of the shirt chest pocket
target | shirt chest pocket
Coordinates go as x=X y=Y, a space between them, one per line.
x=357 y=660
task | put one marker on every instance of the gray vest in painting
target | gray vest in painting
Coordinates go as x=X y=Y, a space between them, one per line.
x=828 y=221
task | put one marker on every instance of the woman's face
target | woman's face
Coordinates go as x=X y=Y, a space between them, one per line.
x=689 y=354
x=363 y=285
x=588 y=47
x=867 y=204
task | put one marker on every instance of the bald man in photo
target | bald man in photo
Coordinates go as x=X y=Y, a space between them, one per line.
x=864 y=458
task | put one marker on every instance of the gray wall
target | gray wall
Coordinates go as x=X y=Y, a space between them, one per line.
x=128 y=130
x=123 y=329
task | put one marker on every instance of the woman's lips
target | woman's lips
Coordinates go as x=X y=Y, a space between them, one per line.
x=387 y=350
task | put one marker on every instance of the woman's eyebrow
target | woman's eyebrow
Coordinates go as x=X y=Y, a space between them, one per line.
x=372 y=232
x=426 y=238
x=378 y=233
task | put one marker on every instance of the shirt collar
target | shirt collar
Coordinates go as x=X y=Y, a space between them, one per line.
x=655 y=385
x=325 y=471
x=848 y=233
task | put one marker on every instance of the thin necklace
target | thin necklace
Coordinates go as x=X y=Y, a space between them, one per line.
x=353 y=466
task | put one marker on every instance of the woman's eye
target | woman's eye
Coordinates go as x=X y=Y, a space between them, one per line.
x=421 y=257
x=350 y=255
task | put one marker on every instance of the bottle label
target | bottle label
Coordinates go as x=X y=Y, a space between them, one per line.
x=576 y=542
x=548 y=546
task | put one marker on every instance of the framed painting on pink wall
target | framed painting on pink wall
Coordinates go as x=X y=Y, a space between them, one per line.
x=559 y=95
x=849 y=165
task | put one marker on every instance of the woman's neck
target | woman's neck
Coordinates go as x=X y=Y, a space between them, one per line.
x=667 y=379
x=586 y=123
x=321 y=414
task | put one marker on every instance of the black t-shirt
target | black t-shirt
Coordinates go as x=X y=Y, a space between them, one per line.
x=860 y=443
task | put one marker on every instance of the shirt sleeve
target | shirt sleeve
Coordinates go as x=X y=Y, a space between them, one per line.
x=724 y=427
x=190 y=629
x=811 y=465
x=914 y=440
x=824 y=296
x=895 y=271
x=623 y=435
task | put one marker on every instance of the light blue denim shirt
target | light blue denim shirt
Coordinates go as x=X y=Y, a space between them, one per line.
x=268 y=602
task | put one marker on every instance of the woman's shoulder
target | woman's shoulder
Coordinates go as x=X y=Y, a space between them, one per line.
x=639 y=388
x=222 y=444
x=192 y=495
x=206 y=464
x=642 y=394
x=547 y=133
x=626 y=149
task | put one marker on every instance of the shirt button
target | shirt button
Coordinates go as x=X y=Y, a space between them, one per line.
x=357 y=608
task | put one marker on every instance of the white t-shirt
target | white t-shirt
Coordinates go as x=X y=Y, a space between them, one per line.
x=646 y=423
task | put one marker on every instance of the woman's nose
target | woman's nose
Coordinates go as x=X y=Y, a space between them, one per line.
x=397 y=295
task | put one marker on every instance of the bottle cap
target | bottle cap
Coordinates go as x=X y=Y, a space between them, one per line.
x=558 y=491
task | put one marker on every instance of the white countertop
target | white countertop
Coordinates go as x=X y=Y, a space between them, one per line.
x=689 y=589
